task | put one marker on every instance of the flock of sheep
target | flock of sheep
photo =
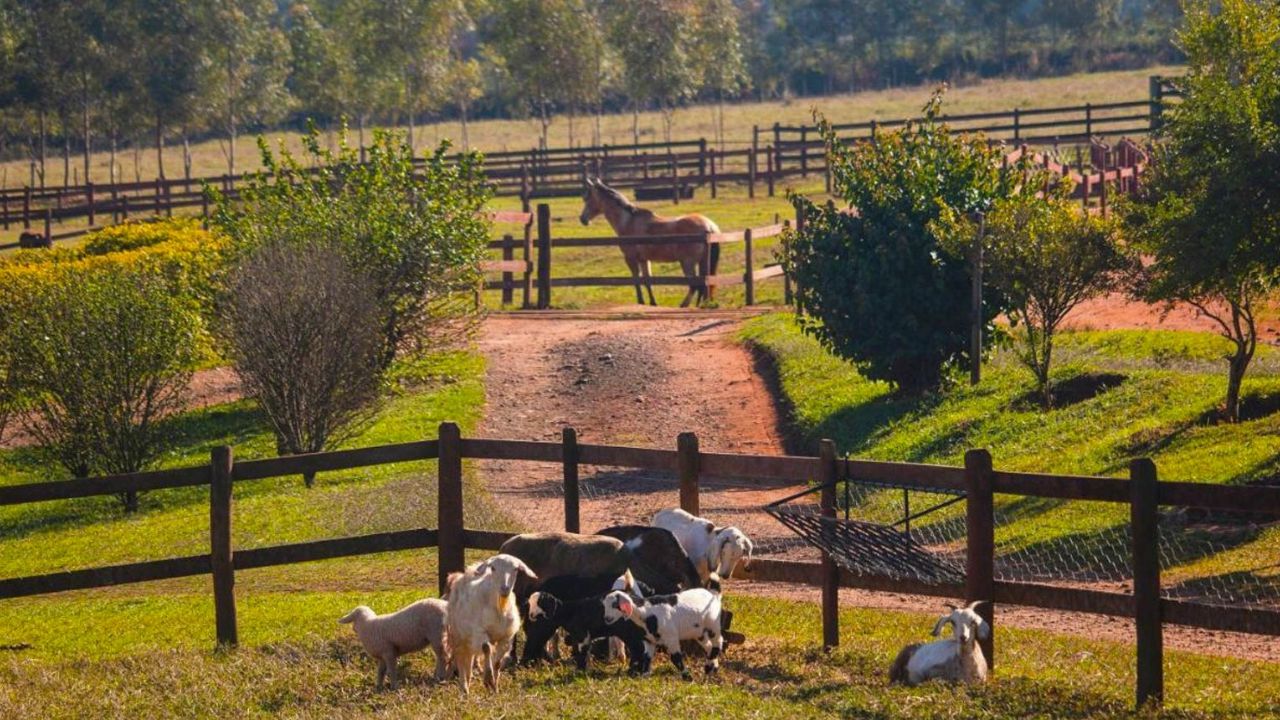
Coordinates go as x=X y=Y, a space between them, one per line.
x=627 y=590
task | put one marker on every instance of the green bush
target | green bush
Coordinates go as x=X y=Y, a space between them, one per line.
x=98 y=356
x=877 y=283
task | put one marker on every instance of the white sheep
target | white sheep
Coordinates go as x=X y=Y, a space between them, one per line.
x=484 y=616
x=669 y=619
x=957 y=659
x=387 y=637
x=712 y=549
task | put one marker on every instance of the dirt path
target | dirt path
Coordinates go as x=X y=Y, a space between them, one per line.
x=642 y=377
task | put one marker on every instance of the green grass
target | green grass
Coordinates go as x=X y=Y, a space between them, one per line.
x=150 y=657
x=1172 y=384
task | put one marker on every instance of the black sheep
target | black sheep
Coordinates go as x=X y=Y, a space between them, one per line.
x=584 y=622
x=656 y=559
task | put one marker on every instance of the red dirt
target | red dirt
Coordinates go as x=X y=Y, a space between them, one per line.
x=641 y=377
x=1116 y=312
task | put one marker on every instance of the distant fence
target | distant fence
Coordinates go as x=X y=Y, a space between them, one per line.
x=977 y=481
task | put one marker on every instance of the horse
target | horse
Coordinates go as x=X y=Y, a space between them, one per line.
x=627 y=220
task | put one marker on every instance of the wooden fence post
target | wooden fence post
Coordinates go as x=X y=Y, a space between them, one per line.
x=687 y=449
x=159 y=191
x=748 y=277
x=979 y=576
x=526 y=286
x=572 y=516
x=48 y=225
x=712 y=160
x=751 y=161
x=124 y=207
x=449 y=521
x=1145 y=525
x=224 y=579
x=544 y=256
x=88 y=191
x=769 y=168
x=508 y=280
x=804 y=151
x=1155 y=90
x=1017 y=125
x=830 y=571
x=26 y=208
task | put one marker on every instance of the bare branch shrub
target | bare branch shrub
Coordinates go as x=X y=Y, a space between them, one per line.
x=302 y=329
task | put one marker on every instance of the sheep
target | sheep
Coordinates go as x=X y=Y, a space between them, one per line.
x=482 y=618
x=957 y=659
x=657 y=559
x=668 y=619
x=584 y=622
x=712 y=549
x=566 y=588
x=560 y=553
x=386 y=637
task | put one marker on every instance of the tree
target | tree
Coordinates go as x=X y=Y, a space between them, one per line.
x=1046 y=256
x=656 y=40
x=417 y=232
x=98 y=359
x=719 y=54
x=301 y=328
x=166 y=68
x=877 y=282
x=1209 y=209
x=248 y=58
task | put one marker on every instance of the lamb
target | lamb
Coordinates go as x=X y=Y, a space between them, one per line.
x=566 y=588
x=657 y=559
x=386 y=637
x=668 y=619
x=482 y=618
x=958 y=659
x=712 y=549
x=584 y=622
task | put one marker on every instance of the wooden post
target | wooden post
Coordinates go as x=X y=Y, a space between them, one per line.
x=526 y=286
x=224 y=579
x=168 y=198
x=804 y=151
x=1017 y=124
x=572 y=517
x=1155 y=89
x=830 y=572
x=159 y=191
x=769 y=167
x=508 y=280
x=1145 y=525
x=1088 y=122
x=26 y=208
x=687 y=449
x=979 y=576
x=748 y=278
x=702 y=160
x=204 y=210
x=124 y=207
x=6 y=210
x=449 y=521
x=88 y=191
x=713 y=174
x=975 y=305
x=751 y=161
x=707 y=287
x=48 y=225
x=544 y=256
x=1102 y=186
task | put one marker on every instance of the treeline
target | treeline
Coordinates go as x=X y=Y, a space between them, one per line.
x=80 y=75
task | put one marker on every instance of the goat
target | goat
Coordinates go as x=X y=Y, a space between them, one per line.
x=957 y=659
x=566 y=588
x=712 y=549
x=584 y=621
x=482 y=617
x=668 y=619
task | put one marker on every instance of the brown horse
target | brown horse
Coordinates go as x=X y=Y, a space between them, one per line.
x=628 y=220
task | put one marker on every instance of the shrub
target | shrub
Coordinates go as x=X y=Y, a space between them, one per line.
x=1047 y=256
x=302 y=331
x=97 y=357
x=878 y=284
x=415 y=231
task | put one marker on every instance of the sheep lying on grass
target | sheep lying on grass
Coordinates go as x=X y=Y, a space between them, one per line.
x=483 y=616
x=386 y=637
x=712 y=549
x=669 y=619
x=958 y=659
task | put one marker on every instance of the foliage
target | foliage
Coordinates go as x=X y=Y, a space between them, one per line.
x=1209 y=211
x=302 y=331
x=657 y=41
x=416 y=231
x=1046 y=256
x=98 y=357
x=881 y=283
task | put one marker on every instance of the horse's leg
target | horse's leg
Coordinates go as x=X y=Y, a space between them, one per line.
x=648 y=282
x=633 y=264
x=690 y=268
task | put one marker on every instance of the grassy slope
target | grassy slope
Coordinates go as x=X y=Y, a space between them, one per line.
x=1172 y=380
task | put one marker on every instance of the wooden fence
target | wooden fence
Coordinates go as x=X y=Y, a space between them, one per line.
x=977 y=479
x=533 y=272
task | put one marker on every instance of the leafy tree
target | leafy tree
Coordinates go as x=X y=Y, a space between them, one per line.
x=164 y=69
x=656 y=40
x=877 y=282
x=417 y=232
x=320 y=70
x=1046 y=256
x=719 y=54
x=97 y=360
x=1209 y=210
x=302 y=331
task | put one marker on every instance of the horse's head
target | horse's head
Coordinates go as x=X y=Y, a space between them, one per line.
x=592 y=202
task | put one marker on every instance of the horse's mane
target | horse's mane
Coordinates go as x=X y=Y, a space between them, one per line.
x=621 y=200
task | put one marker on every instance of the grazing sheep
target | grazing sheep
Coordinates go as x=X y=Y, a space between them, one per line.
x=668 y=619
x=657 y=559
x=584 y=622
x=958 y=659
x=483 y=618
x=712 y=549
x=386 y=637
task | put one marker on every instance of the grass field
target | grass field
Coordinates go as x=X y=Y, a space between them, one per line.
x=1169 y=385
x=690 y=123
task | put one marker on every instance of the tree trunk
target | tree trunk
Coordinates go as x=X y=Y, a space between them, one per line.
x=360 y=119
x=635 y=122
x=112 y=161
x=410 y=135
x=130 y=500
x=66 y=156
x=88 y=136
x=186 y=154
x=160 y=146
x=571 y=116
x=44 y=148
